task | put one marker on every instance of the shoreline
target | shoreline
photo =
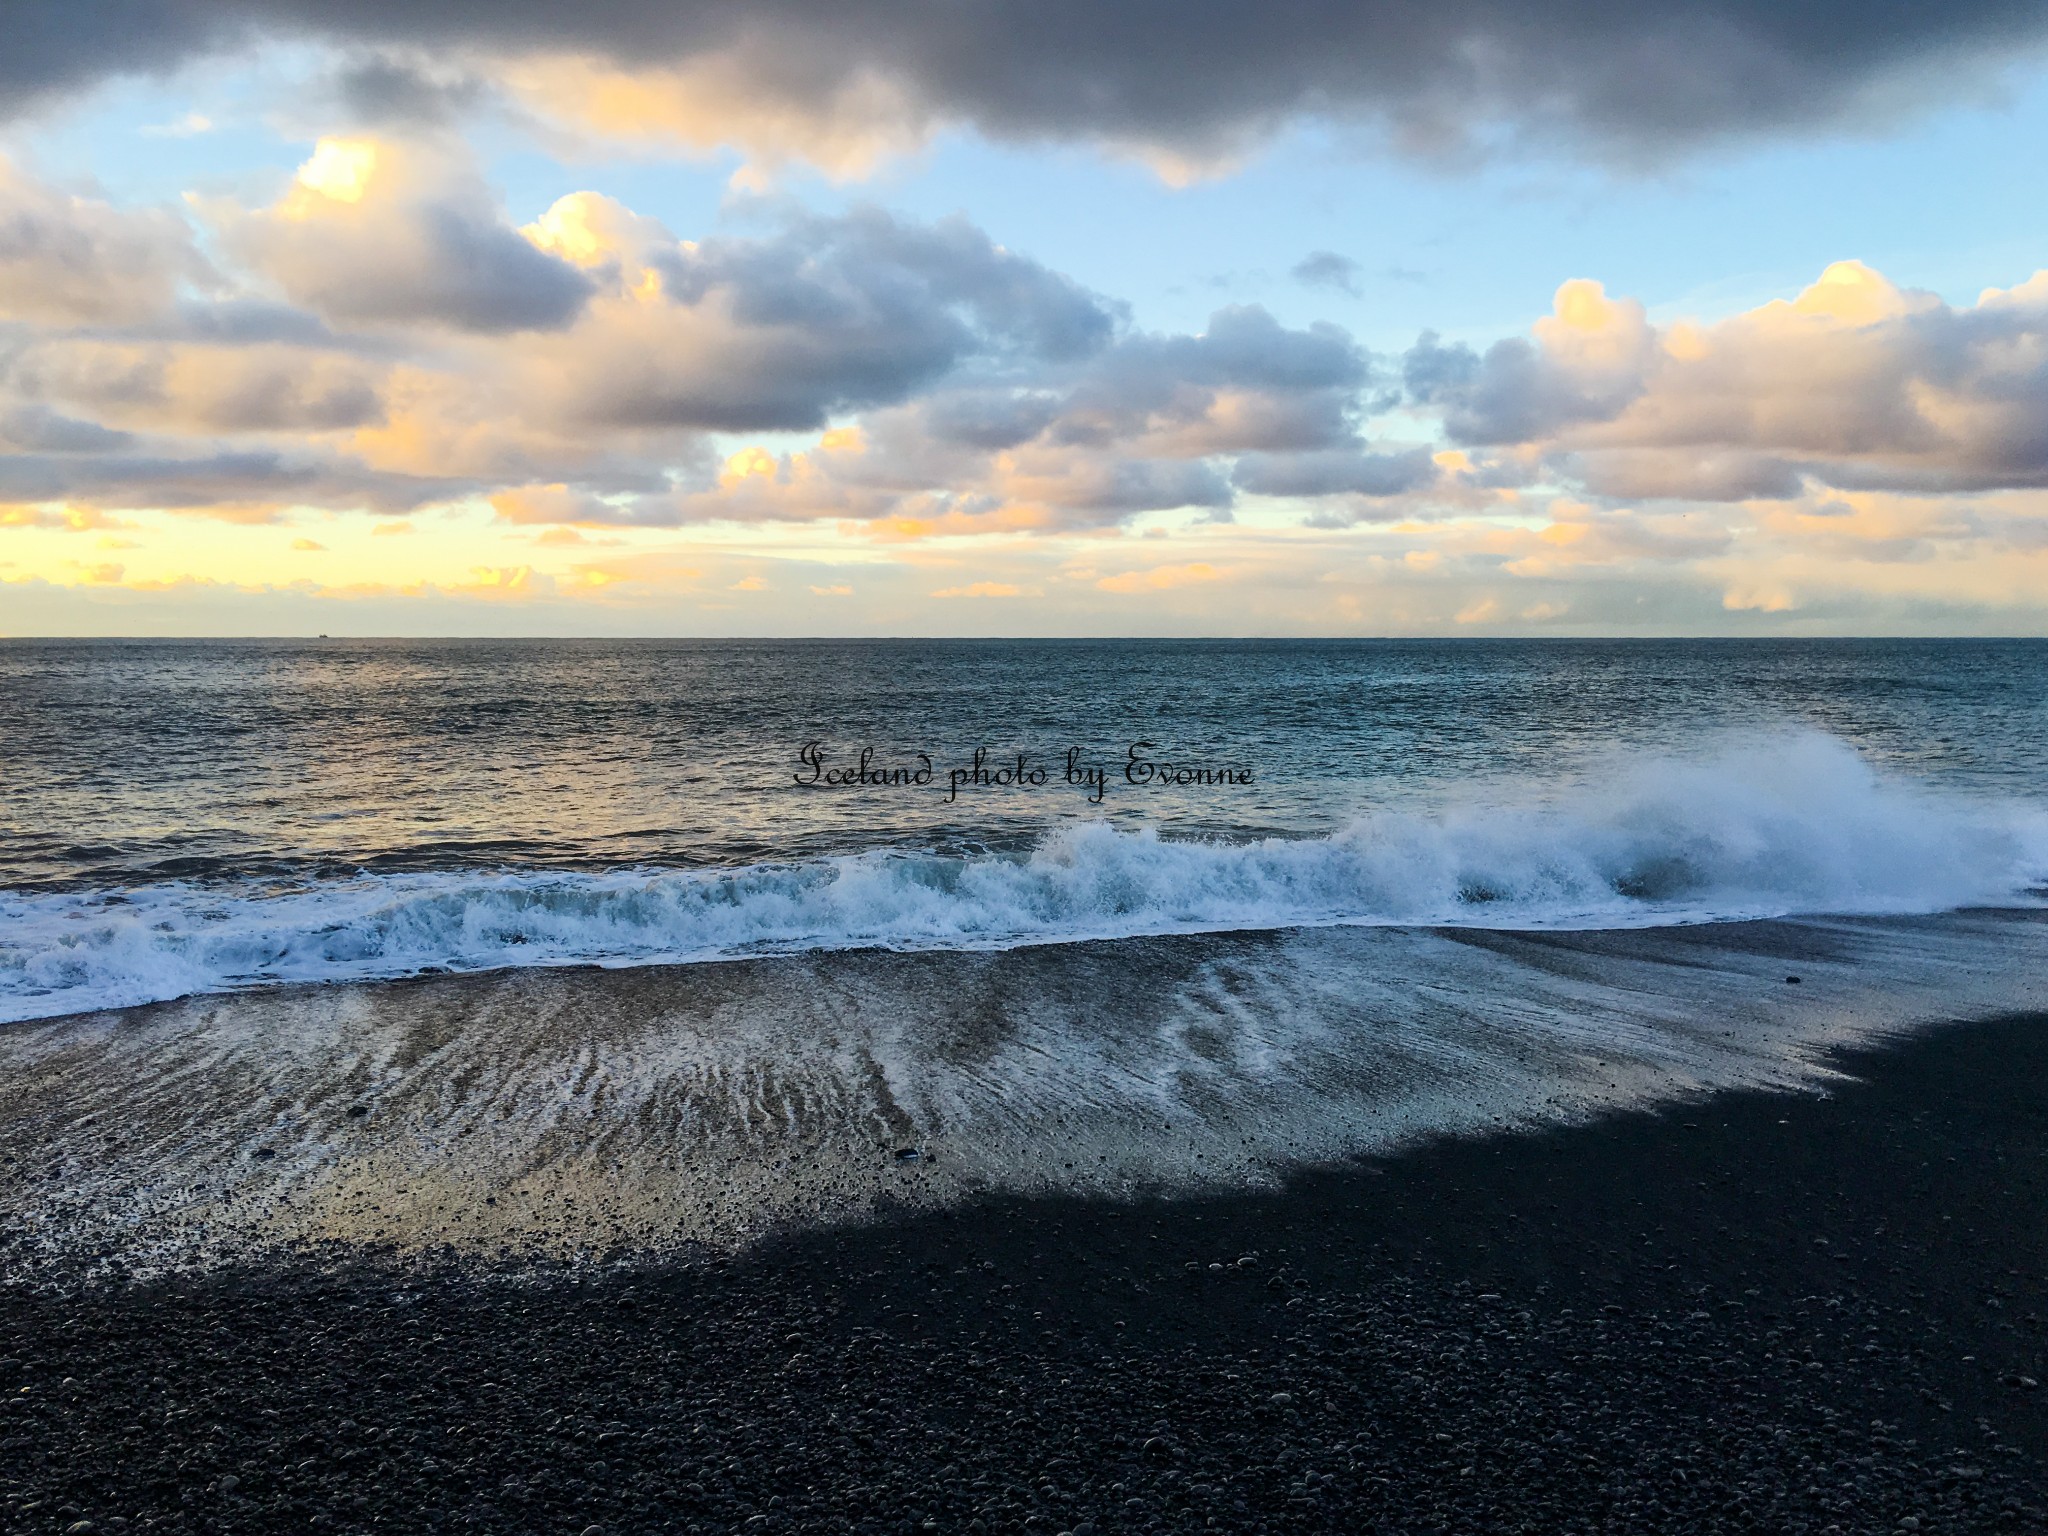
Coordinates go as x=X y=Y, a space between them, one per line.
x=664 y=1110
x=1756 y=1311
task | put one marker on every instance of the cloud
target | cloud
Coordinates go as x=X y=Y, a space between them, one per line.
x=1111 y=488
x=1326 y=269
x=393 y=93
x=69 y=519
x=1762 y=599
x=991 y=393
x=66 y=259
x=844 y=123
x=989 y=419
x=1162 y=578
x=783 y=332
x=552 y=505
x=842 y=84
x=408 y=386
x=1683 y=473
x=54 y=48
x=250 y=485
x=1335 y=472
x=38 y=429
x=190 y=126
x=1247 y=383
x=1854 y=383
x=371 y=232
x=1581 y=535
x=1144 y=423
x=881 y=382
x=1587 y=362
x=193 y=387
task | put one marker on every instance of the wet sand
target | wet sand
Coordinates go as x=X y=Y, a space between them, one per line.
x=557 y=1115
x=1761 y=1311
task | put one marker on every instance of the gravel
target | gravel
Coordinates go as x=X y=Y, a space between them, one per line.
x=1754 y=1313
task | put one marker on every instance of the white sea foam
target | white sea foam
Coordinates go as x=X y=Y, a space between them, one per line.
x=1793 y=824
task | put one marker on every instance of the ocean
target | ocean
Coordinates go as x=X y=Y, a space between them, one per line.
x=630 y=944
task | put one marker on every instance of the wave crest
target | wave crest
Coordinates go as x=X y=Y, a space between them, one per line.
x=1792 y=824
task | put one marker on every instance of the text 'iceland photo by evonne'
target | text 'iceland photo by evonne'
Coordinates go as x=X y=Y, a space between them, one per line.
x=1021 y=772
x=977 y=768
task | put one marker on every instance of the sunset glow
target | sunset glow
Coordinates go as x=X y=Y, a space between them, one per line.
x=335 y=340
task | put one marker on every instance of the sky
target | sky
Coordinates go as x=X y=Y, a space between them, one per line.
x=970 y=317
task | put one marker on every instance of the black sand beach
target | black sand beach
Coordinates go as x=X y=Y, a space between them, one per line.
x=1757 y=1313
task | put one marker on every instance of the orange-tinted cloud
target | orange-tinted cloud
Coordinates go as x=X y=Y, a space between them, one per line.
x=1853 y=383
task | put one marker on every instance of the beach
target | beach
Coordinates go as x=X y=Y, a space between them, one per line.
x=991 y=768
x=1762 y=1311
x=1013 y=770
x=1475 y=1123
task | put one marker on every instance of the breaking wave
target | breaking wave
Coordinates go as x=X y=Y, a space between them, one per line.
x=1771 y=827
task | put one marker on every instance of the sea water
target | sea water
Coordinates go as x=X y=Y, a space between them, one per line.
x=180 y=818
x=574 y=947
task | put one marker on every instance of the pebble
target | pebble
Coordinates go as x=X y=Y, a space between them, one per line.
x=1453 y=1362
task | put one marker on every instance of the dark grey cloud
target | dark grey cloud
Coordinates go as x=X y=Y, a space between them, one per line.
x=1327 y=269
x=1686 y=474
x=1335 y=472
x=1245 y=346
x=1631 y=79
x=870 y=267
x=390 y=93
x=1121 y=487
x=38 y=429
x=51 y=48
x=225 y=478
x=1247 y=383
x=989 y=419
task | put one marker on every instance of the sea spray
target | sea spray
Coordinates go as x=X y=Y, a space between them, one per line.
x=1791 y=823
